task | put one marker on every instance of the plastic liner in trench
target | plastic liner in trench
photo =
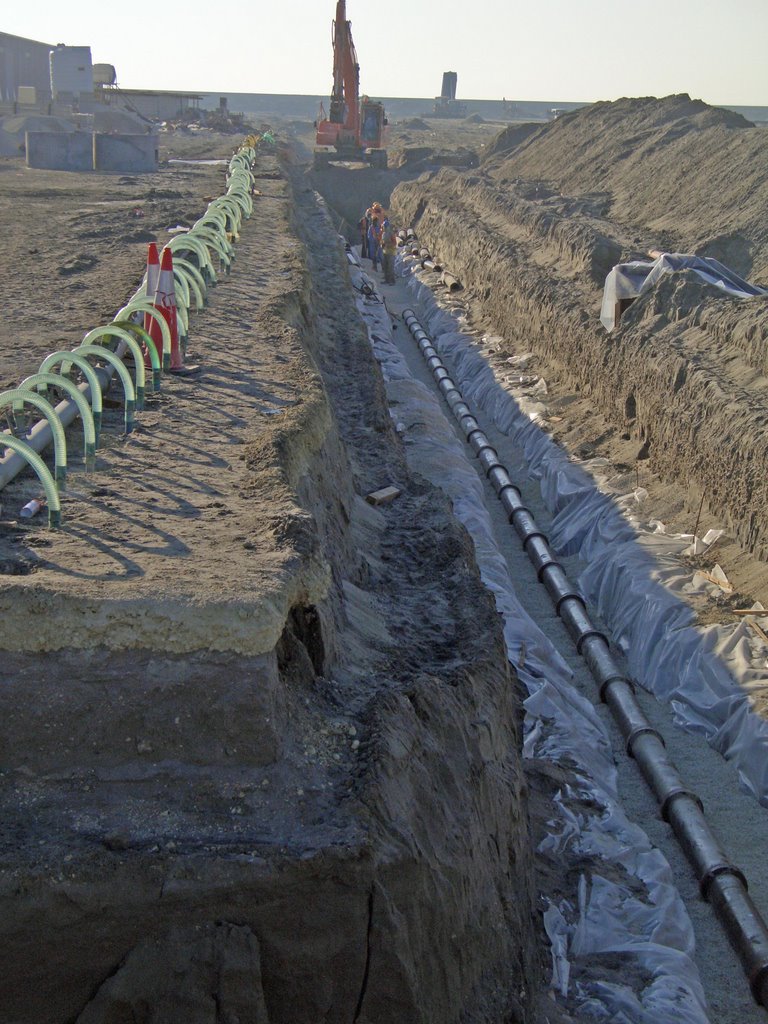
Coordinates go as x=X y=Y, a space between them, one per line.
x=652 y=933
x=705 y=673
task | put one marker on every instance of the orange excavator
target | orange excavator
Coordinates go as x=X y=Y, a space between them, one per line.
x=354 y=127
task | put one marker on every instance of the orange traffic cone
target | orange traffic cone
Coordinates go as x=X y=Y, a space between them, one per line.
x=153 y=273
x=165 y=302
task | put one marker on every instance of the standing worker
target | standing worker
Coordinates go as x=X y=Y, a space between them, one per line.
x=363 y=224
x=374 y=242
x=389 y=249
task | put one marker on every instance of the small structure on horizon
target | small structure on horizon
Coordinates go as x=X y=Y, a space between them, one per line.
x=446 y=104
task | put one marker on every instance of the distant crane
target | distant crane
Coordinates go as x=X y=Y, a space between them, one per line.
x=354 y=127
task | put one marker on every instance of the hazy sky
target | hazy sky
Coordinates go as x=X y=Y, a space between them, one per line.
x=578 y=50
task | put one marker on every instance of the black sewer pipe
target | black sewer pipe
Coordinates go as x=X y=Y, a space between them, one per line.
x=720 y=881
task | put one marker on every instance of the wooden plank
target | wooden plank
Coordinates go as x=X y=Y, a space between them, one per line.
x=383 y=496
x=760 y=632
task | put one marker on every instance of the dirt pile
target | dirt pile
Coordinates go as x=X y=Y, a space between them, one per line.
x=262 y=749
x=691 y=176
x=533 y=232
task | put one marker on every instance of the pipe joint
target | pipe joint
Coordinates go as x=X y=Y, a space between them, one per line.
x=499 y=478
x=678 y=794
x=717 y=871
x=643 y=730
x=588 y=635
x=604 y=686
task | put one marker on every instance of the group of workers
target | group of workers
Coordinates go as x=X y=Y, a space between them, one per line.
x=378 y=240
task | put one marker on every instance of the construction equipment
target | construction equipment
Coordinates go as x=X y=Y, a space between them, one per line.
x=355 y=126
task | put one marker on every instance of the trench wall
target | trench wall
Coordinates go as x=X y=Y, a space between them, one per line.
x=684 y=370
x=196 y=830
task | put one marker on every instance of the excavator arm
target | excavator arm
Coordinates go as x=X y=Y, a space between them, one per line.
x=353 y=126
x=345 y=98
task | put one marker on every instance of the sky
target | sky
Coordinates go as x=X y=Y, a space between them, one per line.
x=567 y=50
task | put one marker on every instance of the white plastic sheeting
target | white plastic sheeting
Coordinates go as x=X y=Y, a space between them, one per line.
x=650 y=932
x=628 y=280
x=708 y=674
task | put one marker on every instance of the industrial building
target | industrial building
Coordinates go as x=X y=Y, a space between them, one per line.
x=54 y=78
x=150 y=103
x=24 y=63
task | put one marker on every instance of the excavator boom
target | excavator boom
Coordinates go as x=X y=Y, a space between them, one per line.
x=353 y=126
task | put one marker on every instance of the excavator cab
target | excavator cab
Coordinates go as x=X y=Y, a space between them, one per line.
x=372 y=124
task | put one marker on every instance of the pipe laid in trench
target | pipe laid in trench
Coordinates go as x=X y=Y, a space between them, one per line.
x=720 y=881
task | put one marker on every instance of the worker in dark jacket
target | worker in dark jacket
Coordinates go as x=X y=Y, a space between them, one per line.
x=363 y=224
x=374 y=242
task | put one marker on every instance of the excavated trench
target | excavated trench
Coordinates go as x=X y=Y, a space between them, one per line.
x=269 y=769
x=262 y=747
x=684 y=373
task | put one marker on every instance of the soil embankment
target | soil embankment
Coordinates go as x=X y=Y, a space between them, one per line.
x=679 y=387
x=261 y=738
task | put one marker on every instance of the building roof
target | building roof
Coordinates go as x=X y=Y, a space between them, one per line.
x=160 y=92
x=23 y=39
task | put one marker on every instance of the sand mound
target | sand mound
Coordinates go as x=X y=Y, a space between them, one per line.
x=509 y=139
x=687 y=173
x=474 y=119
x=538 y=227
x=416 y=123
x=13 y=129
x=119 y=121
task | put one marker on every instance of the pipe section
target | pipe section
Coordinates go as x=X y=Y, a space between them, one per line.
x=720 y=881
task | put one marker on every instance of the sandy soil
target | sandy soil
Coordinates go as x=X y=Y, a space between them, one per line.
x=239 y=732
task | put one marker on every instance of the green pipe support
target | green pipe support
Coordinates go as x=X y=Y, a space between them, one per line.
x=230 y=210
x=232 y=215
x=213 y=226
x=215 y=213
x=237 y=187
x=18 y=398
x=216 y=218
x=43 y=381
x=99 y=352
x=197 y=248
x=95 y=337
x=207 y=237
x=245 y=203
x=182 y=288
x=242 y=171
x=141 y=304
x=67 y=359
x=229 y=205
x=182 y=312
x=43 y=473
x=194 y=279
x=144 y=338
